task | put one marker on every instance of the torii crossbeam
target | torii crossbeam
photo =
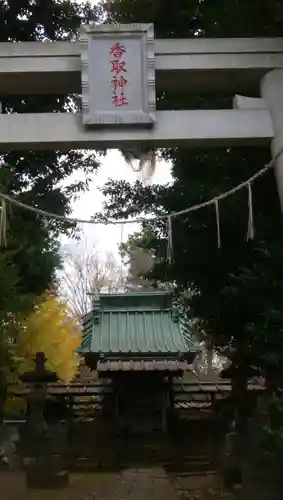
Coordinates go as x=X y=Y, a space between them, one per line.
x=112 y=116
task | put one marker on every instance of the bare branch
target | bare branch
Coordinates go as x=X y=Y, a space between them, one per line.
x=85 y=273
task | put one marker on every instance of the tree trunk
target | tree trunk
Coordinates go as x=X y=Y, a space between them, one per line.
x=236 y=438
x=262 y=478
x=3 y=395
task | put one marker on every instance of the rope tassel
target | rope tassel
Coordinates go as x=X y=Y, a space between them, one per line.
x=250 y=232
x=170 y=251
x=3 y=224
x=121 y=253
x=217 y=223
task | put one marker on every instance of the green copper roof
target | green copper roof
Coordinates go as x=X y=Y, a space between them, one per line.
x=133 y=324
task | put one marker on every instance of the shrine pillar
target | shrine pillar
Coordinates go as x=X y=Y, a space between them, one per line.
x=272 y=93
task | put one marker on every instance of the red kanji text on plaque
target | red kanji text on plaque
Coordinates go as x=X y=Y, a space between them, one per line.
x=118 y=67
x=119 y=101
x=118 y=83
x=117 y=50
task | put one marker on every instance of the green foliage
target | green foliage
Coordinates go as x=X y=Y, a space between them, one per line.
x=38 y=178
x=12 y=303
x=236 y=289
x=184 y=18
x=271 y=435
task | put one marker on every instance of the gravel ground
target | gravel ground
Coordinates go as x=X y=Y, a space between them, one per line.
x=131 y=484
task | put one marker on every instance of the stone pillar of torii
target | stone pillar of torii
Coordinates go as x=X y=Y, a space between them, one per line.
x=272 y=93
x=271 y=87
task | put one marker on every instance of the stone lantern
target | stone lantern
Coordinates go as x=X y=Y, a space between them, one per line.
x=44 y=464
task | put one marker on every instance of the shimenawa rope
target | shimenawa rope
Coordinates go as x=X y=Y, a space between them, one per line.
x=194 y=208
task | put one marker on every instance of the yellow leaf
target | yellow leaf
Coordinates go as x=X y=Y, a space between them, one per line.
x=50 y=329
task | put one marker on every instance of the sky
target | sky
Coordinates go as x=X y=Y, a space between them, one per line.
x=106 y=239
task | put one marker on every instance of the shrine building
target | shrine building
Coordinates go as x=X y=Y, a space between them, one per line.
x=136 y=342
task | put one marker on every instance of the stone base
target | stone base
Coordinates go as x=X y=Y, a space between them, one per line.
x=39 y=478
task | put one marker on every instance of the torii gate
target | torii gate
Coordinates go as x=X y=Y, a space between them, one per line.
x=122 y=114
